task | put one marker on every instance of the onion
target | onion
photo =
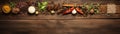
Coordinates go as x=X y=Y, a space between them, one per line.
x=31 y=9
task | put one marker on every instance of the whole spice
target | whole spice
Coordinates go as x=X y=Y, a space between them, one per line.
x=49 y=7
x=56 y=6
x=21 y=4
x=79 y=10
x=15 y=10
x=69 y=10
x=31 y=2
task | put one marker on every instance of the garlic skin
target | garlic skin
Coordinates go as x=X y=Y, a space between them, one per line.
x=74 y=11
x=31 y=9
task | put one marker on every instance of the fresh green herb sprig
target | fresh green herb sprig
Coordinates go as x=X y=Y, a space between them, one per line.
x=42 y=5
x=12 y=4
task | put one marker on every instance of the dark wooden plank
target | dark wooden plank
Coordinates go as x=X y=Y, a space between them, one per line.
x=81 y=26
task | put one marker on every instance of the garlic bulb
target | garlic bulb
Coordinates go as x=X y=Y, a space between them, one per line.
x=74 y=11
x=31 y=9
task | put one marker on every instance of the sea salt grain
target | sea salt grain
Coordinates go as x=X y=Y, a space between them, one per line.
x=111 y=8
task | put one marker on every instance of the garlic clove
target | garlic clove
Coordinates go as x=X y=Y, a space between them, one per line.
x=74 y=11
x=52 y=11
x=37 y=12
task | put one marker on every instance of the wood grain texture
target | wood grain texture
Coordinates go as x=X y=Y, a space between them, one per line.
x=81 y=26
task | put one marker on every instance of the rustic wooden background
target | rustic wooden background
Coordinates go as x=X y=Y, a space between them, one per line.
x=58 y=24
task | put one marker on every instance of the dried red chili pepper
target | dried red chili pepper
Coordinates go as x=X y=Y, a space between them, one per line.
x=79 y=10
x=69 y=10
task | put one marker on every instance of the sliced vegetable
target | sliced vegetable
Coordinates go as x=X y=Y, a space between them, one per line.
x=6 y=8
x=31 y=9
